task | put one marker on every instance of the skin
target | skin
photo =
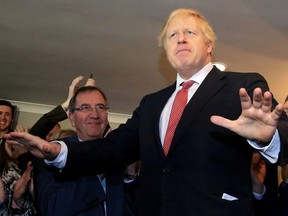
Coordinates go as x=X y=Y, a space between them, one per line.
x=185 y=46
x=5 y=119
x=90 y=125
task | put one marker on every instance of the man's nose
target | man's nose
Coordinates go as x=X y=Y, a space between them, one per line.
x=94 y=113
x=182 y=38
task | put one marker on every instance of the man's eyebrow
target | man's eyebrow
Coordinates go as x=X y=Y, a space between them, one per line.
x=85 y=104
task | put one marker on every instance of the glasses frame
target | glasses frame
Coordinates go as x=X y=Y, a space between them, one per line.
x=101 y=108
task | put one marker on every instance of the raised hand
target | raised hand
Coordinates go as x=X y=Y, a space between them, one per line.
x=72 y=89
x=38 y=147
x=21 y=128
x=22 y=185
x=90 y=81
x=257 y=121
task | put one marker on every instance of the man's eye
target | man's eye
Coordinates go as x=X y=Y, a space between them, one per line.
x=172 y=35
x=190 y=33
x=85 y=108
x=100 y=107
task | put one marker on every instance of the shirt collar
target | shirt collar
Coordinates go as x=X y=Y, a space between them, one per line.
x=197 y=77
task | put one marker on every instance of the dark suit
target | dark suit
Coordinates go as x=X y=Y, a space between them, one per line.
x=204 y=162
x=56 y=195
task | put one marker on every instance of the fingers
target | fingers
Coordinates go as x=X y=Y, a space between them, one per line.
x=244 y=99
x=76 y=81
x=21 y=128
x=220 y=121
x=90 y=82
x=257 y=98
x=29 y=169
x=260 y=100
x=74 y=86
x=277 y=112
x=18 y=139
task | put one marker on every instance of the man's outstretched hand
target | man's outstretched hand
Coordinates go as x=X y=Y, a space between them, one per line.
x=38 y=147
x=257 y=121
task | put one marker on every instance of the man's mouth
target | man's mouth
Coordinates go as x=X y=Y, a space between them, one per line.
x=182 y=50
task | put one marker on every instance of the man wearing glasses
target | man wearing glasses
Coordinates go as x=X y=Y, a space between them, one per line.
x=93 y=195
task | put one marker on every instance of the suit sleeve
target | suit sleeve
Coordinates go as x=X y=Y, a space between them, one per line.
x=45 y=124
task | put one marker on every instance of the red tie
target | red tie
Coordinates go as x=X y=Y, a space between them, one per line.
x=178 y=106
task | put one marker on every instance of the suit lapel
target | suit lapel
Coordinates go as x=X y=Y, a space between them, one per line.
x=200 y=99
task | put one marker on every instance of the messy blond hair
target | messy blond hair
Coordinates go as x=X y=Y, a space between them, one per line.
x=206 y=28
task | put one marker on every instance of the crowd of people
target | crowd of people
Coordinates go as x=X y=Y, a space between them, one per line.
x=219 y=155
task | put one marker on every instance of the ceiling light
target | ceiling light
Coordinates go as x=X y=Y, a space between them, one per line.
x=220 y=65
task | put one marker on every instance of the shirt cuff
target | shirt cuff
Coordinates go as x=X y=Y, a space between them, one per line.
x=271 y=151
x=259 y=196
x=60 y=160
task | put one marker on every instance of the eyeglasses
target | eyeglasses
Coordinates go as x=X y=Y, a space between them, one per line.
x=101 y=108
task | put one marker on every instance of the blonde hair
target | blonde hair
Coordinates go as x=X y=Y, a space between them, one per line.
x=206 y=28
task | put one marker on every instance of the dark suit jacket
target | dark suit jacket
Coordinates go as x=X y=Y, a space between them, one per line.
x=56 y=195
x=268 y=205
x=204 y=162
x=41 y=128
x=46 y=123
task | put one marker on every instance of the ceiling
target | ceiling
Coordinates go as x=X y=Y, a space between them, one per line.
x=45 y=44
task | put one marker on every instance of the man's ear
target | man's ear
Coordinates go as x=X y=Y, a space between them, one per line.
x=71 y=118
x=209 y=47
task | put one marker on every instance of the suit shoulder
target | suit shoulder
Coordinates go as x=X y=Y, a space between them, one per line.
x=162 y=92
x=243 y=74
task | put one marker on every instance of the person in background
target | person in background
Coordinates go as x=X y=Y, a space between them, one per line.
x=265 y=186
x=283 y=178
x=47 y=123
x=62 y=133
x=16 y=191
x=98 y=195
x=54 y=130
x=6 y=117
x=271 y=199
x=203 y=167
x=50 y=120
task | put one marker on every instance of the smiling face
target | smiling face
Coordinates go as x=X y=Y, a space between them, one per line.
x=6 y=118
x=186 y=47
x=89 y=125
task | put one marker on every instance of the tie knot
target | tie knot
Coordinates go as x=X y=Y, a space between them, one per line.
x=187 y=85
